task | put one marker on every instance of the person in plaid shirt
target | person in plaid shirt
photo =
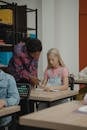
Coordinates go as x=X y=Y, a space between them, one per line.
x=24 y=62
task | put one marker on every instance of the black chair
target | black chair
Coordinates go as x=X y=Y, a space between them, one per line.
x=71 y=85
x=71 y=82
x=26 y=105
x=24 y=90
x=12 y=125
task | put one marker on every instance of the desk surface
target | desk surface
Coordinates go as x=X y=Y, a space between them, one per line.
x=61 y=117
x=9 y=110
x=81 y=81
x=51 y=96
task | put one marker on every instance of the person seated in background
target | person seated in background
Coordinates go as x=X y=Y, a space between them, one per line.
x=56 y=73
x=85 y=99
x=24 y=63
x=9 y=95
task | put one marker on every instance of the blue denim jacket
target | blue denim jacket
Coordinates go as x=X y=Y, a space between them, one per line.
x=8 y=92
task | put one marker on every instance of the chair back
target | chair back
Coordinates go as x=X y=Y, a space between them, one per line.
x=24 y=90
x=71 y=82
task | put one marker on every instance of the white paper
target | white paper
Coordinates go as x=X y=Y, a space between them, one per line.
x=38 y=89
x=83 y=109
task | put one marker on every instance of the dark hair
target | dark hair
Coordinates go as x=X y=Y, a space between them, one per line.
x=33 y=45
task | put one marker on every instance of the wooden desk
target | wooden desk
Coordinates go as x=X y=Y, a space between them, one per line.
x=38 y=95
x=60 y=117
x=81 y=81
x=9 y=110
x=50 y=97
x=83 y=88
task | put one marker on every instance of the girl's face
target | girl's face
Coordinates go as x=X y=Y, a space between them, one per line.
x=53 y=60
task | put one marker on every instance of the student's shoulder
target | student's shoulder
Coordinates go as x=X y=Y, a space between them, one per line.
x=64 y=67
x=65 y=70
x=9 y=76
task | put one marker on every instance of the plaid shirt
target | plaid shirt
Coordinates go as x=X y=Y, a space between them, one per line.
x=22 y=65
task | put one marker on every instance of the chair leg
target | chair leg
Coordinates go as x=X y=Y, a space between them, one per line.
x=6 y=128
x=37 y=105
x=2 y=128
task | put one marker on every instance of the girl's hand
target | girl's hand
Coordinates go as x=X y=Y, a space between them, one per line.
x=41 y=86
x=2 y=103
x=47 y=89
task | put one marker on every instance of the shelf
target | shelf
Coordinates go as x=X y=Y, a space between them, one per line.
x=6 y=47
x=14 y=31
x=31 y=28
x=5 y=25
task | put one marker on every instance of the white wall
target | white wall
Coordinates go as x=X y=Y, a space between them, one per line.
x=60 y=29
x=67 y=19
x=48 y=27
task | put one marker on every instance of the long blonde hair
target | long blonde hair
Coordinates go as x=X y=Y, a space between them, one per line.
x=56 y=53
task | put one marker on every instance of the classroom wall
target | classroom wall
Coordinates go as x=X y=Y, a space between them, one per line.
x=61 y=22
x=58 y=26
x=48 y=27
x=67 y=32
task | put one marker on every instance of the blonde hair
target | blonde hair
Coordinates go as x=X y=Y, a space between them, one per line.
x=56 y=53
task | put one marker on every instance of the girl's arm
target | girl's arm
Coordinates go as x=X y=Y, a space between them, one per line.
x=43 y=83
x=62 y=87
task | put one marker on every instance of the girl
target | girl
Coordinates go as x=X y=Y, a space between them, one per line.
x=56 y=73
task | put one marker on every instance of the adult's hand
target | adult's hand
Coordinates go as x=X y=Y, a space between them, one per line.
x=35 y=81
